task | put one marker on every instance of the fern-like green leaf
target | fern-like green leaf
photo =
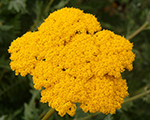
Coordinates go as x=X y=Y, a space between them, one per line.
x=31 y=112
x=3 y=117
x=17 y=5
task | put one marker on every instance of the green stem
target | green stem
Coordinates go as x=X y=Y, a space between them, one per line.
x=49 y=114
x=138 y=30
x=48 y=6
x=137 y=96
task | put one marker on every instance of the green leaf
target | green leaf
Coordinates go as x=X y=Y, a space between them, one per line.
x=28 y=112
x=67 y=117
x=4 y=63
x=127 y=105
x=17 y=112
x=18 y=5
x=147 y=98
x=61 y=4
x=6 y=27
x=124 y=117
x=80 y=113
x=31 y=112
x=3 y=117
x=12 y=116
x=108 y=117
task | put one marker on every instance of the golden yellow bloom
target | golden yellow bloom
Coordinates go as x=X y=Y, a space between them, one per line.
x=75 y=61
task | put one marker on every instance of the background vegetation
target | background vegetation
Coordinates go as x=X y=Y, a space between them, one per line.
x=20 y=101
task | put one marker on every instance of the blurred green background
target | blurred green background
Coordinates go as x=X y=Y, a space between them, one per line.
x=20 y=101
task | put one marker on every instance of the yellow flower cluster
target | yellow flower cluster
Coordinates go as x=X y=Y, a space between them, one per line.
x=75 y=61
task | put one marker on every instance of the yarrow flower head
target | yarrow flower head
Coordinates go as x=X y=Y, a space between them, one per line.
x=75 y=61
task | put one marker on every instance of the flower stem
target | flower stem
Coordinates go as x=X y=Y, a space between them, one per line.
x=138 y=30
x=48 y=6
x=49 y=114
x=137 y=96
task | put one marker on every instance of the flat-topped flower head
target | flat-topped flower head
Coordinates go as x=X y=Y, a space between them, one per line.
x=75 y=61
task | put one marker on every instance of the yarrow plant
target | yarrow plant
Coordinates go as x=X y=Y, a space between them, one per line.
x=75 y=61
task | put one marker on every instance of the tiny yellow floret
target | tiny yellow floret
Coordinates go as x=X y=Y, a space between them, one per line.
x=75 y=61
